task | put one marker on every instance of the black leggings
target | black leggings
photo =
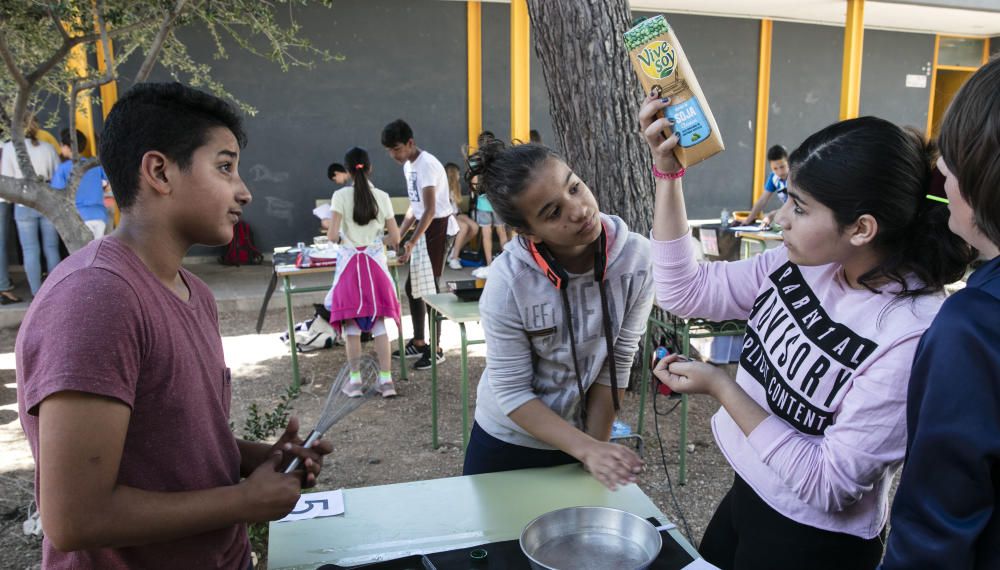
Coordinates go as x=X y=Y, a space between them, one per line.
x=745 y=533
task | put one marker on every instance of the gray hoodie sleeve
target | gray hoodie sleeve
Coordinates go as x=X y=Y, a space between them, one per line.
x=508 y=350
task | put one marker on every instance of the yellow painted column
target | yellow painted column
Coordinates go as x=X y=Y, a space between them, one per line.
x=850 y=85
x=474 y=89
x=763 y=105
x=77 y=63
x=520 y=71
x=109 y=91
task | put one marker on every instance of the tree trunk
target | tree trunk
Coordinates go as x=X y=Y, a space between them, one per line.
x=594 y=99
x=57 y=206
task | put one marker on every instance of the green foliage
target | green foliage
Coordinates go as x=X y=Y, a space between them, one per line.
x=259 y=427
x=31 y=29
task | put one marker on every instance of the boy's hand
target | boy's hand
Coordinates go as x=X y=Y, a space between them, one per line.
x=406 y=251
x=689 y=377
x=612 y=464
x=269 y=494
x=290 y=445
x=653 y=129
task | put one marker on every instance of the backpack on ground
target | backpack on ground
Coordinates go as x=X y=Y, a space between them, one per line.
x=241 y=250
x=314 y=333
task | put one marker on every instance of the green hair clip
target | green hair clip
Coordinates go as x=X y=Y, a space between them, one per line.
x=937 y=198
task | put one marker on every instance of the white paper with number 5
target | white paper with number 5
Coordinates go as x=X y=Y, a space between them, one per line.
x=315 y=505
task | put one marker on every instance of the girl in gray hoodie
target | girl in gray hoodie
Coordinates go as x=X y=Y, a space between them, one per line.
x=563 y=311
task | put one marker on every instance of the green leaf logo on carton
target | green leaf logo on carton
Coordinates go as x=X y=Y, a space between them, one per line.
x=657 y=60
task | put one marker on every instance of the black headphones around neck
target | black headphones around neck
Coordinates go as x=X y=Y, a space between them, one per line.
x=559 y=277
x=556 y=273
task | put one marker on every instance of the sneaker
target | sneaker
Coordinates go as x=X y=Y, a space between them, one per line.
x=454 y=263
x=386 y=388
x=411 y=351
x=352 y=388
x=425 y=360
x=481 y=272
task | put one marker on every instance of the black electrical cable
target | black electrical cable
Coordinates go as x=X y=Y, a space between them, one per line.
x=663 y=458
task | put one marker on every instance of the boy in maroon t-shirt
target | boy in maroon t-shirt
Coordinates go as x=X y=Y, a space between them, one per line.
x=122 y=385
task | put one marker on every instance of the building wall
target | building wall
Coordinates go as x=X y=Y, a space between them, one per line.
x=395 y=59
x=888 y=58
x=407 y=58
x=496 y=77
x=805 y=83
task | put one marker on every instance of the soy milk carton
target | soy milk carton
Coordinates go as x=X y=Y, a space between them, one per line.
x=660 y=63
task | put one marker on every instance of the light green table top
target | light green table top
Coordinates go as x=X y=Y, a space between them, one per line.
x=453 y=308
x=392 y=521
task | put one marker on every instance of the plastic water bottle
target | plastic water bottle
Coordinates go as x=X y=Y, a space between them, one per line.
x=620 y=429
x=724 y=217
x=303 y=255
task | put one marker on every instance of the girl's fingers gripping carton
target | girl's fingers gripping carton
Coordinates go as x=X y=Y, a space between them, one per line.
x=660 y=63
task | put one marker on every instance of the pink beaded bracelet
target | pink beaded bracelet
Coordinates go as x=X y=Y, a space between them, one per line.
x=668 y=175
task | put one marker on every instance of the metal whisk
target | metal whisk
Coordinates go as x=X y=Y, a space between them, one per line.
x=338 y=404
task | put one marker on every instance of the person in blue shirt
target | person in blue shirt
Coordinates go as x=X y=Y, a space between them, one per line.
x=776 y=183
x=89 y=194
x=945 y=513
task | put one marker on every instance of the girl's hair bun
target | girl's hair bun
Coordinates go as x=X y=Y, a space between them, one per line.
x=480 y=161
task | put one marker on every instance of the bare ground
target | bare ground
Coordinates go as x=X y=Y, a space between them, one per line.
x=386 y=441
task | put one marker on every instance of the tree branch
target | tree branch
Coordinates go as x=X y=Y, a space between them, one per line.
x=49 y=63
x=58 y=24
x=8 y=59
x=161 y=35
x=114 y=32
x=17 y=124
x=70 y=41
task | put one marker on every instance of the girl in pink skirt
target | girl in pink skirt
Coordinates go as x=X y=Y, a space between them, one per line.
x=363 y=293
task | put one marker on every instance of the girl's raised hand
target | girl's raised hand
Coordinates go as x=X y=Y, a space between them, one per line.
x=654 y=130
x=690 y=377
x=612 y=464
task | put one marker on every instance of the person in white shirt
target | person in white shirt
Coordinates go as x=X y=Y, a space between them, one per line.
x=430 y=209
x=44 y=160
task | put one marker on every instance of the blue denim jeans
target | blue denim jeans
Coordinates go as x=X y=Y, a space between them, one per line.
x=29 y=222
x=5 y=211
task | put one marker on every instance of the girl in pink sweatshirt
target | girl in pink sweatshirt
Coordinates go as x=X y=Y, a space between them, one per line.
x=814 y=424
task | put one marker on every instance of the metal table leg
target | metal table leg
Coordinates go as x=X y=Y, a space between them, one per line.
x=434 y=376
x=267 y=299
x=286 y=286
x=400 y=340
x=686 y=347
x=465 y=388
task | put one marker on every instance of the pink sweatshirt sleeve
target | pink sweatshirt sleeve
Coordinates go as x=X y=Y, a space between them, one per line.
x=833 y=471
x=714 y=290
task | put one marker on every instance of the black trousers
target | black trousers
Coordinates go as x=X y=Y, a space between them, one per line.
x=745 y=533
x=487 y=454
